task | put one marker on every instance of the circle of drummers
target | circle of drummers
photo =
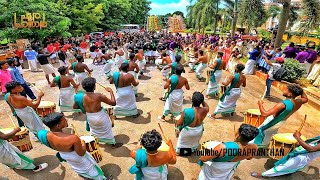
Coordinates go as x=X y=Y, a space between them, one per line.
x=123 y=66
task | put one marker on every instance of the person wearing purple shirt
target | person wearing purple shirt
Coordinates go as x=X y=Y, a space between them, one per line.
x=302 y=56
x=312 y=55
x=290 y=51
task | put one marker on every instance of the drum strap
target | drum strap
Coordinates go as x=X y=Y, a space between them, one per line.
x=78 y=99
x=116 y=78
x=233 y=84
x=73 y=65
x=141 y=162
x=173 y=67
x=57 y=80
x=212 y=76
x=189 y=115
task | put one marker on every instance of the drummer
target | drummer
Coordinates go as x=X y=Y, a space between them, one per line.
x=191 y=123
x=66 y=90
x=295 y=160
x=279 y=113
x=13 y=157
x=70 y=147
x=134 y=70
x=202 y=64
x=215 y=77
x=98 y=120
x=222 y=165
x=25 y=108
x=165 y=60
x=150 y=162
x=79 y=69
x=173 y=65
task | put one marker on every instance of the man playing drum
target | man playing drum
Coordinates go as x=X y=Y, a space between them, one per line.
x=215 y=76
x=79 y=70
x=151 y=162
x=98 y=120
x=227 y=103
x=295 y=160
x=202 y=64
x=277 y=115
x=173 y=66
x=25 y=108
x=190 y=123
x=222 y=165
x=13 y=157
x=134 y=70
x=140 y=60
x=70 y=147
x=174 y=101
x=66 y=90
x=165 y=60
x=125 y=98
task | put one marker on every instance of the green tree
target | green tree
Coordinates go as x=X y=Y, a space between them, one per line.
x=311 y=13
x=178 y=13
x=252 y=13
x=139 y=11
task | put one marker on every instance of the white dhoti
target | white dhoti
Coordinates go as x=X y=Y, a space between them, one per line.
x=65 y=63
x=232 y=65
x=155 y=173
x=293 y=165
x=158 y=61
x=79 y=77
x=141 y=64
x=217 y=170
x=135 y=75
x=213 y=87
x=101 y=126
x=268 y=133
x=119 y=60
x=93 y=55
x=126 y=102
x=192 y=63
x=172 y=56
x=200 y=69
x=85 y=165
x=174 y=103
x=30 y=119
x=249 y=67
x=66 y=99
x=109 y=68
x=33 y=65
x=228 y=105
x=54 y=55
x=189 y=137
x=13 y=157
x=165 y=72
x=315 y=72
x=47 y=69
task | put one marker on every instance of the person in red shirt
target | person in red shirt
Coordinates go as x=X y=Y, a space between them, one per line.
x=83 y=48
x=52 y=50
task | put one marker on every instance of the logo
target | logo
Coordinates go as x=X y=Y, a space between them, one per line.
x=185 y=152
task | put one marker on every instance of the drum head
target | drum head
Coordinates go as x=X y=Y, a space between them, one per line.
x=23 y=131
x=87 y=139
x=163 y=147
x=46 y=104
x=210 y=144
x=6 y=130
x=286 y=138
x=254 y=111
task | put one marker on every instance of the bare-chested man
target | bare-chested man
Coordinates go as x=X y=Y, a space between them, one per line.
x=140 y=60
x=152 y=160
x=193 y=59
x=202 y=64
x=228 y=101
x=119 y=56
x=66 y=90
x=174 y=99
x=70 y=147
x=166 y=60
x=215 y=77
x=126 y=100
x=99 y=122
x=277 y=115
x=190 y=123
x=134 y=70
x=79 y=69
x=25 y=108
x=222 y=165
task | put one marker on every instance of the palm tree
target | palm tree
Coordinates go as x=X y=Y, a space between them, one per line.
x=252 y=13
x=311 y=15
x=283 y=20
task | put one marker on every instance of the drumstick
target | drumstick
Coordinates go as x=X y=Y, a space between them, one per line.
x=303 y=122
x=264 y=94
x=165 y=137
x=35 y=87
x=100 y=85
x=202 y=91
x=75 y=130
x=11 y=120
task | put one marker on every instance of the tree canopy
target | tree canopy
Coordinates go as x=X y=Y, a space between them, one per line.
x=72 y=17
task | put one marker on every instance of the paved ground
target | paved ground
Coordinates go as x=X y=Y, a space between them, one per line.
x=116 y=162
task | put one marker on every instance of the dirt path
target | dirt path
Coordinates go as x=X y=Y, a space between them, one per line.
x=117 y=161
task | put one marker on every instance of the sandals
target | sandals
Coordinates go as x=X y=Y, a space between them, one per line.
x=40 y=167
x=161 y=119
x=211 y=117
x=162 y=99
x=256 y=175
x=137 y=115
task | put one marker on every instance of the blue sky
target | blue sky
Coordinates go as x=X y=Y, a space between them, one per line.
x=162 y=7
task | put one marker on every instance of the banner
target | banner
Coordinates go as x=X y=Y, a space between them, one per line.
x=30 y=20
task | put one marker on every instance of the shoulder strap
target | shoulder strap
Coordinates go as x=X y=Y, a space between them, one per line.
x=57 y=80
x=141 y=162
x=116 y=78
x=73 y=65
x=189 y=115
x=229 y=145
x=174 y=82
